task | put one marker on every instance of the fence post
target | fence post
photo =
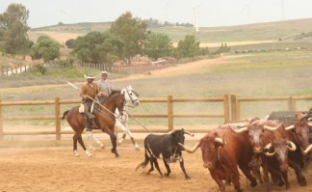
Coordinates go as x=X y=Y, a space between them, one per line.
x=226 y=108
x=1 y=122
x=291 y=104
x=233 y=108
x=170 y=113
x=57 y=119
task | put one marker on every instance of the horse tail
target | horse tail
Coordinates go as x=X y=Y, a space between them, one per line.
x=65 y=114
x=145 y=162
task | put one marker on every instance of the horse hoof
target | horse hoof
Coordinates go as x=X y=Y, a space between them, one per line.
x=302 y=182
x=76 y=154
x=253 y=184
x=102 y=146
x=88 y=154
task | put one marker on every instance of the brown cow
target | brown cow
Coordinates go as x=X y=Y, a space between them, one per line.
x=298 y=133
x=266 y=133
x=276 y=161
x=222 y=150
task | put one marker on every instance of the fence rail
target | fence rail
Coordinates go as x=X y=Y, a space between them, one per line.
x=169 y=114
x=231 y=111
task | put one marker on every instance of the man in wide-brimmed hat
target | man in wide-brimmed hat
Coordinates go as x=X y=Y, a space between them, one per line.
x=89 y=91
x=104 y=85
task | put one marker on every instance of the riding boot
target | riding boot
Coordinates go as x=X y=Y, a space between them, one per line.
x=90 y=121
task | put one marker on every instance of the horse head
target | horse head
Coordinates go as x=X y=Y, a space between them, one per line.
x=131 y=96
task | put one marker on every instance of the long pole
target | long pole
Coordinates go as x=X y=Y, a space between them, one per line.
x=75 y=87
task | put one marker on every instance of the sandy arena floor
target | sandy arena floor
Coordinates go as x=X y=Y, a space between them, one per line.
x=45 y=169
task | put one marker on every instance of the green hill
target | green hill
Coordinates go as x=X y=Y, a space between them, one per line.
x=288 y=30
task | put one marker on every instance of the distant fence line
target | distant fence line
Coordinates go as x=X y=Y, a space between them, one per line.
x=8 y=71
x=134 y=68
x=231 y=105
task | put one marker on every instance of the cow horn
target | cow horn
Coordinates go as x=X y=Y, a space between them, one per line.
x=290 y=127
x=271 y=128
x=191 y=134
x=243 y=129
x=219 y=140
x=292 y=146
x=268 y=146
x=307 y=150
x=270 y=154
x=192 y=150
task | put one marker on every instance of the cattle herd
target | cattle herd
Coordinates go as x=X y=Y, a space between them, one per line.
x=262 y=149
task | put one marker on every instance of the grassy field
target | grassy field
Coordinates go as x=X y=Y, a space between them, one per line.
x=285 y=30
x=254 y=75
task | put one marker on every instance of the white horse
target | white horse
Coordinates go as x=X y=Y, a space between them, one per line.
x=132 y=100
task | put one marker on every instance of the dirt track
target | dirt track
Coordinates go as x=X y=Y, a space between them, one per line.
x=56 y=169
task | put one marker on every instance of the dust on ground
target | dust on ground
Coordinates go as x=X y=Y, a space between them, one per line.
x=56 y=169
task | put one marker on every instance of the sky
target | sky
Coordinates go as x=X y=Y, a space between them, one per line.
x=202 y=13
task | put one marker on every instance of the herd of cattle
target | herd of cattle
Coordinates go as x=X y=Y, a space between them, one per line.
x=259 y=148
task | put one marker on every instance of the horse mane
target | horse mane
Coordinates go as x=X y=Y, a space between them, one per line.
x=114 y=92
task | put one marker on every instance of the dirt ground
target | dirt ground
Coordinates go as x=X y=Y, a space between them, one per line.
x=56 y=169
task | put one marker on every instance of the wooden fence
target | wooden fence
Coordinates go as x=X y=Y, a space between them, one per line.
x=170 y=115
x=231 y=111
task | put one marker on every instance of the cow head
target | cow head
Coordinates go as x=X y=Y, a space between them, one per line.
x=255 y=129
x=210 y=146
x=300 y=131
x=178 y=138
x=279 y=148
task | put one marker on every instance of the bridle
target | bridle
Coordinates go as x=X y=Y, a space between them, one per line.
x=130 y=95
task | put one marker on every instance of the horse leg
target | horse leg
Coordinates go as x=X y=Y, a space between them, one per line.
x=126 y=131
x=114 y=144
x=136 y=145
x=122 y=138
x=91 y=137
x=75 y=139
x=83 y=145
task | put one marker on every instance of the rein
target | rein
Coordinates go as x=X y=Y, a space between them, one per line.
x=97 y=102
x=132 y=100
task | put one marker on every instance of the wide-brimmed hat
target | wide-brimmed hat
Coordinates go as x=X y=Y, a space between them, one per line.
x=90 y=76
x=104 y=73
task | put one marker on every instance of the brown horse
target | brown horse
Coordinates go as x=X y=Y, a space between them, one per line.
x=104 y=119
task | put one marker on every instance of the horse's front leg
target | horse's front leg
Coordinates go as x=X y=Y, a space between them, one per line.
x=91 y=138
x=122 y=125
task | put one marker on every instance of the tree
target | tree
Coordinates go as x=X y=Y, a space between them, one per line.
x=13 y=30
x=46 y=49
x=157 y=45
x=223 y=49
x=70 y=43
x=96 y=47
x=132 y=31
x=188 y=47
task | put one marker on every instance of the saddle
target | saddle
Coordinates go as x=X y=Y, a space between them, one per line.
x=82 y=108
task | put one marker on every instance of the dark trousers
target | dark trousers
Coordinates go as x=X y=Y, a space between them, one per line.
x=89 y=116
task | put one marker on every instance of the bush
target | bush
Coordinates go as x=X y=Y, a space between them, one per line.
x=40 y=69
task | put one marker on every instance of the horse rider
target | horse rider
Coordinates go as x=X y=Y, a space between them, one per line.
x=88 y=93
x=104 y=85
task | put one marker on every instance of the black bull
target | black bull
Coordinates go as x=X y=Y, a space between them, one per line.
x=166 y=145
